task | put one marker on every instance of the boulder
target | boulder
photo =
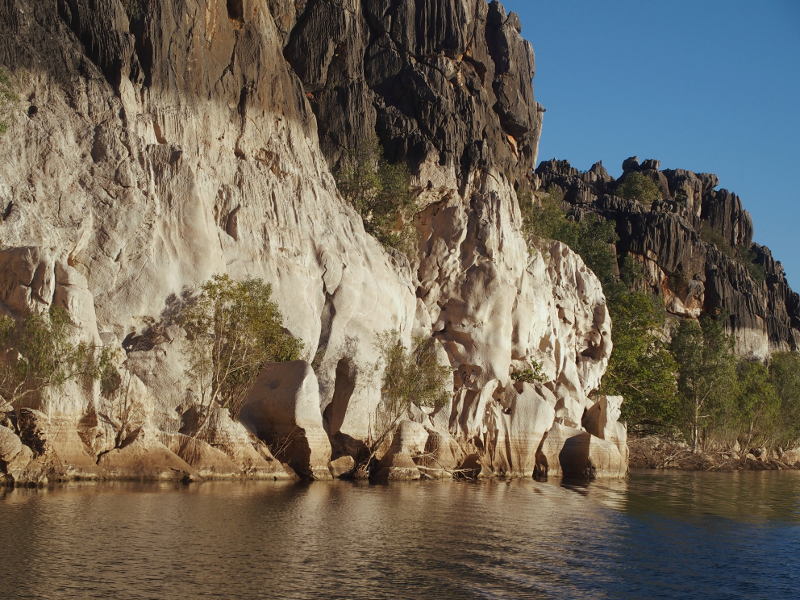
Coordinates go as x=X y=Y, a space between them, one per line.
x=342 y=466
x=145 y=458
x=14 y=455
x=409 y=441
x=251 y=455
x=602 y=421
x=442 y=456
x=283 y=409
x=206 y=460
x=576 y=454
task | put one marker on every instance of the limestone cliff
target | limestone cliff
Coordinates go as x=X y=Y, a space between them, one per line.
x=157 y=143
x=696 y=245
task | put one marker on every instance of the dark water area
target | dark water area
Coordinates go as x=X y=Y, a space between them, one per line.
x=656 y=535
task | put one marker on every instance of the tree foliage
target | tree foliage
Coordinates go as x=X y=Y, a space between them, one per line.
x=756 y=410
x=641 y=368
x=233 y=328
x=784 y=374
x=692 y=386
x=38 y=352
x=591 y=237
x=706 y=376
x=639 y=187
x=381 y=193
x=411 y=376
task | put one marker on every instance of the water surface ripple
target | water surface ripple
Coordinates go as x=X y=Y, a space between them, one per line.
x=656 y=535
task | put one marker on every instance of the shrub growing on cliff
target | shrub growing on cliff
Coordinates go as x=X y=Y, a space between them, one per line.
x=532 y=374
x=38 y=352
x=411 y=376
x=639 y=187
x=591 y=237
x=233 y=328
x=381 y=193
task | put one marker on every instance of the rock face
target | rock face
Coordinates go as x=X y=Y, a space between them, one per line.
x=175 y=140
x=696 y=249
x=283 y=408
x=445 y=82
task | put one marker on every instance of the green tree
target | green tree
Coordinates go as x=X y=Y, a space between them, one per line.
x=784 y=373
x=641 y=368
x=706 y=376
x=591 y=237
x=639 y=187
x=411 y=376
x=38 y=353
x=381 y=193
x=233 y=328
x=757 y=406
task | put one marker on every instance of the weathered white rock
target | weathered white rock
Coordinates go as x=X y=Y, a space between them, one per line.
x=250 y=454
x=791 y=457
x=442 y=456
x=577 y=454
x=602 y=420
x=283 y=409
x=146 y=458
x=341 y=466
x=515 y=428
x=408 y=442
x=206 y=460
x=14 y=455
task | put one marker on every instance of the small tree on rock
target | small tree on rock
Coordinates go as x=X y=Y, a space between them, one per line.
x=381 y=193
x=637 y=186
x=38 y=353
x=411 y=376
x=233 y=328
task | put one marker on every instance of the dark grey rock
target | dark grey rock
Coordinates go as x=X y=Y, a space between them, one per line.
x=700 y=238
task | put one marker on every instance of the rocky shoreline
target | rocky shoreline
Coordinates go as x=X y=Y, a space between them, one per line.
x=655 y=452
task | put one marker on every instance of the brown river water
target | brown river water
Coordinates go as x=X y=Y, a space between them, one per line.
x=655 y=535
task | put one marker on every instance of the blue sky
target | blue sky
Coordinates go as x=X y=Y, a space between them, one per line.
x=705 y=85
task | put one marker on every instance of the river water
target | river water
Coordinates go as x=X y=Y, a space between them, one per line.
x=656 y=535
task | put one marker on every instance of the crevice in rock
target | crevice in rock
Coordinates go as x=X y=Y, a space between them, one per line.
x=345 y=383
x=236 y=10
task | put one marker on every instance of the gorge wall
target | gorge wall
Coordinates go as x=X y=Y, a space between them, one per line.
x=696 y=247
x=154 y=144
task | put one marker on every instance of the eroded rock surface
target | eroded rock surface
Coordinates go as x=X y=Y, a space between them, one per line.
x=283 y=408
x=176 y=140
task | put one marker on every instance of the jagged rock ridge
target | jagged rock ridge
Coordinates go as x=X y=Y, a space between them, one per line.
x=697 y=248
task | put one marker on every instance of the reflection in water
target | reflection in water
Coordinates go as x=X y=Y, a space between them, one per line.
x=657 y=535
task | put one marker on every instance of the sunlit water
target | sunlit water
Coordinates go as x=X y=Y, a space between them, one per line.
x=657 y=535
